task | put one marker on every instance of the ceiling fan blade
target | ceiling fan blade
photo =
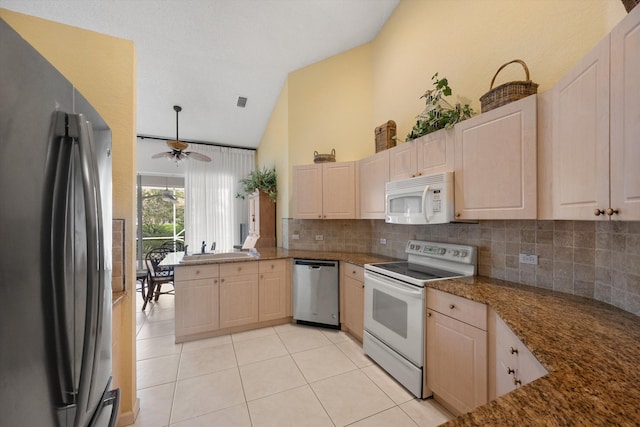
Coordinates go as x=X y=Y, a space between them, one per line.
x=160 y=155
x=197 y=156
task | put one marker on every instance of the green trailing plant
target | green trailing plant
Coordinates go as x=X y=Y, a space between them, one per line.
x=260 y=179
x=438 y=114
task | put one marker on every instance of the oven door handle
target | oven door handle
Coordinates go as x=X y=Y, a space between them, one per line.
x=424 y=203
x=397 y=285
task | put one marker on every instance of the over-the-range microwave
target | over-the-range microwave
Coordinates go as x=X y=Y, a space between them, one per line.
x=422 y=200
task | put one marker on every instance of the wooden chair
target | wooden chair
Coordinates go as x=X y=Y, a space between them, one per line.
x=157 y=275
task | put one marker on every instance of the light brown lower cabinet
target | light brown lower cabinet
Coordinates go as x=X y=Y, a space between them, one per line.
x=352 y=306
x=273 y=290
x=212 y=299
x=238 y=294
x=511 y=364
x=456 y=355
x=197 y=299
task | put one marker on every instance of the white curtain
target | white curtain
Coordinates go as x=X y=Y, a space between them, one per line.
x=212 y=211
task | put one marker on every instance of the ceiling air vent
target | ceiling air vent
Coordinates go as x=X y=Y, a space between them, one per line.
x=242 y=102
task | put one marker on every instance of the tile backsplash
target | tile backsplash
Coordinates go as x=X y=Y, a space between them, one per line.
x=595 y=259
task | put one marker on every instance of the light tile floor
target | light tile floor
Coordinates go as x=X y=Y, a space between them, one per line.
x=281 y=376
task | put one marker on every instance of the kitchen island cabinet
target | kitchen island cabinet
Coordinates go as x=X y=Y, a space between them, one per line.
x=238 y=294
x=215 y=299
x=196 y=308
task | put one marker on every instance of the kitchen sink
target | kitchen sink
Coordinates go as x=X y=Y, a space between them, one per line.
x=222 y=256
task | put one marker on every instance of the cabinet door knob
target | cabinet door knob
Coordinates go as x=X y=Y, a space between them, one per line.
x=513 y=350
x=428 y=314
x=598 y=212
x=320 y=216
x=221 y=280
x=610 y=211
x=510 y=371
x=517 y=382
x=215 y=281
x=451 y=306
x=458 y=215
x=353 y=272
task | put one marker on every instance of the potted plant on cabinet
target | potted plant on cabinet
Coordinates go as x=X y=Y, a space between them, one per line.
x=438 y=113
x=260 y=179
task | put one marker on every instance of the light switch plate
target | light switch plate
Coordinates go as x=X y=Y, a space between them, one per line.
x=295 y=237
x=319 y=237
x=383 y=241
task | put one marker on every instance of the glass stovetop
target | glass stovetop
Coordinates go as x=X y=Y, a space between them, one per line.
x=416 y=271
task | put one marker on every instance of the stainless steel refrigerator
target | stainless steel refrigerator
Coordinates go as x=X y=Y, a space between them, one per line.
x=55 y=247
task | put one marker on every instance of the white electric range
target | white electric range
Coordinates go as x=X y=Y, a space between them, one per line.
x=394 y=306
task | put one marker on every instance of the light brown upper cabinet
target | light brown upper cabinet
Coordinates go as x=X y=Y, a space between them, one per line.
x=373 y=174
x=324 y=191
x=596 y=130
x=495 y=163
x=427 y=155
x=625 y=118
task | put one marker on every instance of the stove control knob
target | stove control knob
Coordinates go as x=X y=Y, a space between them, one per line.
x=456 y=253
x=463 y=254
x=442 y=251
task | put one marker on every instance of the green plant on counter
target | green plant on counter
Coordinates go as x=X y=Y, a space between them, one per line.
x=260 y=179
x=439 y=114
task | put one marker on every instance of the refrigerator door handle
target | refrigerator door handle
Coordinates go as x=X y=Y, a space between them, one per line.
x=95 y=258
x=57 y=175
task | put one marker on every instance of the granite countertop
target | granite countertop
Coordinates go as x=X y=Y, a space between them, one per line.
x=591 y=350
x=360 y=259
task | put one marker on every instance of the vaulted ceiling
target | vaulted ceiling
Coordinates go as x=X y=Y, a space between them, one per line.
x=204 y=54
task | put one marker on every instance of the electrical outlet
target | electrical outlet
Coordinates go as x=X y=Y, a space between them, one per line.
x=295 y=237
x=319 y=237
x=383 y=241
x=528 y=259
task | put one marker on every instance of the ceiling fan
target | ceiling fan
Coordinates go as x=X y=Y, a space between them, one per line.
x=177 y=152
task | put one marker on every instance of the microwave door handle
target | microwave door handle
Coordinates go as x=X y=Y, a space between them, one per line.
x=424 y=204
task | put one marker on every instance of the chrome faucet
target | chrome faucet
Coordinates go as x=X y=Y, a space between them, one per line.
x=204 y=247
x=185 y=249
x=213 y=246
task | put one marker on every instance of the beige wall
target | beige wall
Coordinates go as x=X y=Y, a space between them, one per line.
x=338 y=102
x=103 y=70
x=467 y=41
x=274 y=152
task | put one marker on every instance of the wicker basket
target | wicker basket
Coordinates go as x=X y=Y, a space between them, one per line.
x=324 y=158
x=385 y=136
x=630 y=4
x=508 y=92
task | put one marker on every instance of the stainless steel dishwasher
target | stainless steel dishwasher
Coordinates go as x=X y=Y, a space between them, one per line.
x=316 y=290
